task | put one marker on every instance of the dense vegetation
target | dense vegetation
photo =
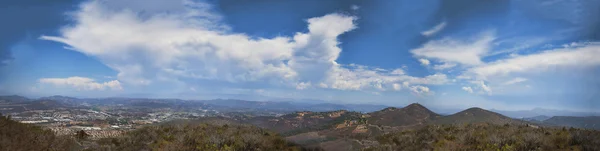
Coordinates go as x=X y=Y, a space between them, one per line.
x=489 y=137
x=15 y=136
x=196 y=136
x=328 y=124
x=226 y=134
x=301 y=122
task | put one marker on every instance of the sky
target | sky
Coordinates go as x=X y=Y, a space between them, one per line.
x=495 y=54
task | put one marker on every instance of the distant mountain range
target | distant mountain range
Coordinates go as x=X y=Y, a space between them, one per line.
x=537 y=118
x=222 y=104
x=293 y=106
x=544 y=112
x=13 y=99
x=411 y=115
x=590 y=122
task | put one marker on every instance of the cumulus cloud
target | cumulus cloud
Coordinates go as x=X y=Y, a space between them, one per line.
x=468 y=89
x=468 y=52
x=424 y=62
x=484 y=87
x=82 y=83
x=192 y=43
x=437 y=28
x=419 y=90
x=514 y=81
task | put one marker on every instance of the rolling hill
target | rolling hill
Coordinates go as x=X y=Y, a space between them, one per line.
x=413 y=114
x=13 y=99
x=590 y=122
x=475 y=115
x=304 y=121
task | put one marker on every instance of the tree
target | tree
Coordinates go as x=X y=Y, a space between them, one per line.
x=81 y=135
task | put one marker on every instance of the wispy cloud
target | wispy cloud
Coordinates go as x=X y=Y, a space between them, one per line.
x=514 y=81
x=444 y=66
x=82 y=83
x=437 y=28
x=551 y=59
x=451 y=50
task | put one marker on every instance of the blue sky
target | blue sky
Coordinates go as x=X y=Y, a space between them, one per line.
x=498 y=54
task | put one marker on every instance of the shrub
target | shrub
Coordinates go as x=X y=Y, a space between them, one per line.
x=489 y=137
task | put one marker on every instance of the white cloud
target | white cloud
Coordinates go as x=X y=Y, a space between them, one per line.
x=484 y=87
x=468 y=52
x=419 y=90
x=582 y=56
x=398 y=72
x=435 y=79
x=146 y=47
x=82 y=83
x=444 y=66
x=397 y=86
x=363 y=78
x=437 y=28
x=303 y=85
x=424 y=62
x=468 y=89
x=514 y=81
x=187 y=44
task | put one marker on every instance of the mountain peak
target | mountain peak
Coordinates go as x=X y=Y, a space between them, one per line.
x=413 y=114
x=475 y=109
x=415 y=106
